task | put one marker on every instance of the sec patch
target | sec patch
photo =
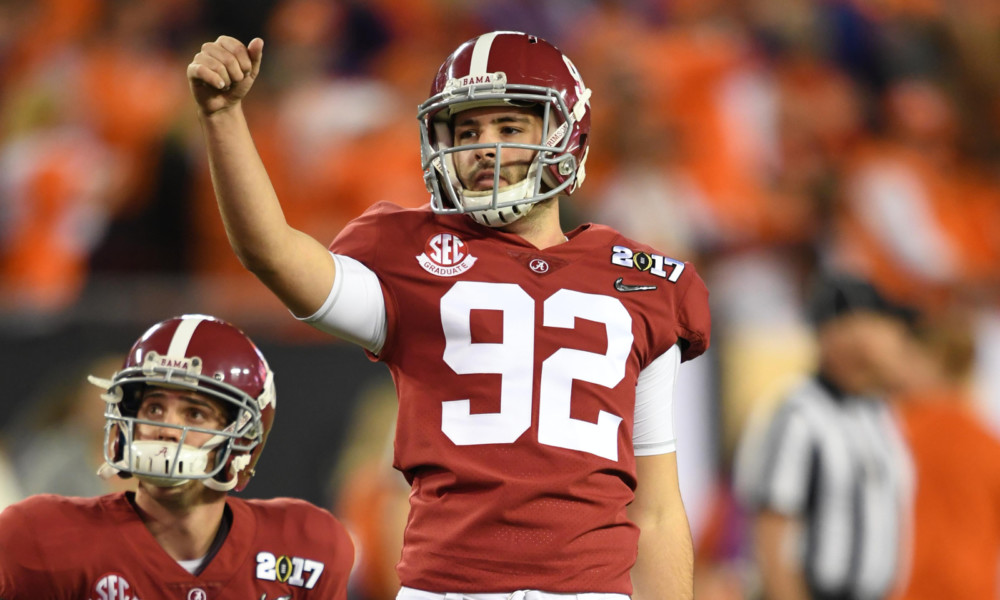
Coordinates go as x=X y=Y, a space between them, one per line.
x=446 y=255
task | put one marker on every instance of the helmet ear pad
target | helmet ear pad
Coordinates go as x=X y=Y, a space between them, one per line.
x=115 y=442
x=115 y=438
x=507 y=69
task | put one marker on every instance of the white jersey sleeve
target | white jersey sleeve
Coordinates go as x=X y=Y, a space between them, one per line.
x=653 y=432
x=355 y=308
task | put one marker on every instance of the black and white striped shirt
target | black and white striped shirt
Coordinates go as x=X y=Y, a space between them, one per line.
x=839 y=464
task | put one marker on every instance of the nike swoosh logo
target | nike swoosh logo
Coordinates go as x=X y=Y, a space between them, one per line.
x=624 y=287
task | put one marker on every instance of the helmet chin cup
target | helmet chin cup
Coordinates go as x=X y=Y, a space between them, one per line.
x=165 y=464
x=481 y=205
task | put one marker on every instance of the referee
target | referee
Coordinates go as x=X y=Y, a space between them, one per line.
x=826 y=476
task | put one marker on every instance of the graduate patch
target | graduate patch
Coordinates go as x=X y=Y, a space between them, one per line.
x=446 y=255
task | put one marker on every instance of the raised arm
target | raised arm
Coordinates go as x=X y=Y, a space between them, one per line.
x=296 y=267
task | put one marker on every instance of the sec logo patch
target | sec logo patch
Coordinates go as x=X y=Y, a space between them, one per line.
x=113 y=586
x=446 y=255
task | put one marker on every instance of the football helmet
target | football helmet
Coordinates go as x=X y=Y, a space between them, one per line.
x=513 y=69
x=202 y=354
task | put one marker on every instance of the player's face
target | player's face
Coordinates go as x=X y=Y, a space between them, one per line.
x=488 y=125
x=180 y=408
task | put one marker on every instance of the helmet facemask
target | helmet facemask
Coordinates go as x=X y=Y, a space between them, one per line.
x=216 y=463
x=498 y=206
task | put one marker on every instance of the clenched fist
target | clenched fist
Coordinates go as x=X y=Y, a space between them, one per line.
x=223 y=72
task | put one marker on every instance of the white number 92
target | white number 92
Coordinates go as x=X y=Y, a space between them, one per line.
x=513 y=359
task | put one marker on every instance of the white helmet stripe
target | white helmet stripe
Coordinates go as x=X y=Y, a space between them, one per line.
x=481 y=53
x=182 y=337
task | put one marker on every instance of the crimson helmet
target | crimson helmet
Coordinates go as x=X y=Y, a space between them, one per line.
x=506 y=68
x=202 y=354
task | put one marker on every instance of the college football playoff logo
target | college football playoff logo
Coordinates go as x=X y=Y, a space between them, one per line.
x=647 y=262
x=446 y=255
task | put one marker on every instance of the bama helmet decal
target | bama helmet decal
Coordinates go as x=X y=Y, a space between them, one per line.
x=446 y=255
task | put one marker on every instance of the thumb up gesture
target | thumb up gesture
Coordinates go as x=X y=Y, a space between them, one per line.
x=223 y=72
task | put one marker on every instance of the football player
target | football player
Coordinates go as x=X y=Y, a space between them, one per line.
x=187 y=416
x=534 y=367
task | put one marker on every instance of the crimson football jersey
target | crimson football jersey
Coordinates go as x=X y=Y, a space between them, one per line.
x=61 y=548
x=516 y=371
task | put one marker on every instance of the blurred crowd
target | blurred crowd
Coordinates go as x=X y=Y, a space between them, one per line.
x=767 y=141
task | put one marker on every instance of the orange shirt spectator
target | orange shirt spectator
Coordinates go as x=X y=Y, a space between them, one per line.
x=957 y=506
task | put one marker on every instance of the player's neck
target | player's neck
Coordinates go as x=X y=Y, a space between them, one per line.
x=540 y=227
x=183 y=520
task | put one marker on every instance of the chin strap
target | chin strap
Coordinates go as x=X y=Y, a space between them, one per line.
x=110 y=394
x=107 y=471
x=236 y=465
